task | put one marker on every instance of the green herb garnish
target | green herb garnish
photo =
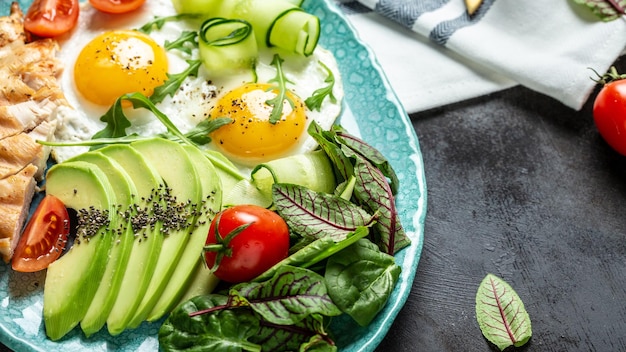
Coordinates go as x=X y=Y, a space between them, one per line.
x=314 y=102
x=281 y=85
x=174 y=81
x=182 y=40
x=159 y=22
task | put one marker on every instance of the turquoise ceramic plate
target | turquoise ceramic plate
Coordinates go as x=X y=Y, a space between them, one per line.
x=371 y=110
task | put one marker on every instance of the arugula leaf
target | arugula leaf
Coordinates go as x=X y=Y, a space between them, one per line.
x=159 y=22
x=116 y=122
x=360 y=280
x=179 y=43
x=200 y=134
x=140 y=101
x=174 y=81
x=606 y=10
x=281 y=85
x=314 y=102
x=501 y=315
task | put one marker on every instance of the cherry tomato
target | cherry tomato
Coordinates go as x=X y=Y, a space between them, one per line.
x=241 y=256
x=50 y=18
x=116 y=6
x=44 y=237
x=609 y=114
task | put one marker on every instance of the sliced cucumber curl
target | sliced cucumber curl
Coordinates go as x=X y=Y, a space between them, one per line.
x=227 y=45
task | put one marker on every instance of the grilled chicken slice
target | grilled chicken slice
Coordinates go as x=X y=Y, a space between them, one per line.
x=29 y=95
x=24 y=116
x=16 y=194
x=12 y=27
x=22 y=149
x=17 y=151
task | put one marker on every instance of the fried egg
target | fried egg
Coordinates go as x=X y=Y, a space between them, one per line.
x=106 y=58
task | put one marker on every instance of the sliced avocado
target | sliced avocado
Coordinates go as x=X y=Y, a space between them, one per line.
x=179 y=174
x=201 y=282
x=147 y=241
x=209 y=205
x=72 y=280
x=121 y=245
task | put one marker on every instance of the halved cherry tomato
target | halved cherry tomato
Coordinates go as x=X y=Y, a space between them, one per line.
x=246 y=240
x=44 y=237
x=116 y=6
x=50 y=18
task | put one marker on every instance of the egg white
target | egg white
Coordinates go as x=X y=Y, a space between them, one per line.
x=193 y=102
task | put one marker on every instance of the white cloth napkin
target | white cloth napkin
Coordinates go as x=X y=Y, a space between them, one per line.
x=433 y=53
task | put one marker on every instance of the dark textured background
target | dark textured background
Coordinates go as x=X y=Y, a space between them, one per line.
x=525 y=188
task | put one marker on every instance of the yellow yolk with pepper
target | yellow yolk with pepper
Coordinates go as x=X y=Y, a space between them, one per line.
x=251 y=135
x=119 y=62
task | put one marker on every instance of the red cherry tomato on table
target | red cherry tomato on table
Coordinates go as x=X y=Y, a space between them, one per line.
x=51 y=18
x=116 y=6
x=242 y=256
x=44 y=237
x=609 y=113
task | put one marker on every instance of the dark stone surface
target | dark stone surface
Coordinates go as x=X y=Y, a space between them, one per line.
x=525 y=188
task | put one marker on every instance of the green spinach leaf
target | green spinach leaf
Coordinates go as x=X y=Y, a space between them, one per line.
x=360 y=280
x=222 y=330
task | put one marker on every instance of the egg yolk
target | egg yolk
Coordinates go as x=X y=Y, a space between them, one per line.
x=119 y=62
x=251 y=135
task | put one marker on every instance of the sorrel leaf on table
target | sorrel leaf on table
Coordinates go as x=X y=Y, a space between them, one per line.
x=375 y=194
x=606 y=10
x=360 y=279
x=318 y=215
x=222 y=330
x=501 y=315
x=288 y=297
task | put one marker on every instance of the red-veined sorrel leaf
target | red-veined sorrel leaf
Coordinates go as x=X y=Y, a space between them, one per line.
x=357 y=146
x=501 y=314
x=606 y=10
x=288 y=297
x=375 y=194
x=309 y=331
x=318 y=215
